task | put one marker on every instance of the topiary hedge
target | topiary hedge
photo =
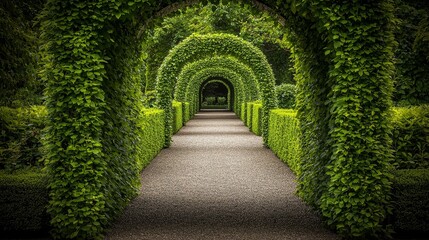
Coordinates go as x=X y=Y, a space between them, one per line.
x=23 y=200
x=256 y=118
x=243 y=113
x=186 y=112
x=199 y=46
x=249 y=114
x=285 y=138
x=410 y=137
x=286 y=95
x=177 y=116
x=152 y=133
x=411 y=202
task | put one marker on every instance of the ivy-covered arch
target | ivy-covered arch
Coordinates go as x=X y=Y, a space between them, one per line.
x=227 y=62
x=343 y=59
x=193 y=88
x=225 y=83
x=199 y=46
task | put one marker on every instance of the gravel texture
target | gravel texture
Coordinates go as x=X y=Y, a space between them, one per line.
x=217 y=181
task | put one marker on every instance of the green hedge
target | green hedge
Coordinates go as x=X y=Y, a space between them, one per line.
x=410 y=137
x=243 y=113
x=286 y=96
x=411 y=201
x=177 y=116
x=152 y=133
x=249 y=109
x=256 y=118
x=23 y=200
x=186 y=112
x=284 y=137
x=21 y=134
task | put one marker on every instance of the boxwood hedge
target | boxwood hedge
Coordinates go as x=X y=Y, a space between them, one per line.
x=256 y=118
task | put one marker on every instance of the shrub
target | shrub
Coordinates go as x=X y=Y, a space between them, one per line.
x=256 y=118
x=411 y=202
x=23 y=200
x=149 y=99
x=249 y=108
x=410 y=137
x=284 y=137
x=152 y=133
x=286 y=94
x=177 y=116
x=186 y=112
x=21 y=134
x=243 y=113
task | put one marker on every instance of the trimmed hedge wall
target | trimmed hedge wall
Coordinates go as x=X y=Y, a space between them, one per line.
x=177 y=116
x=285 y=137
x=20 y=136
x=411 y=137
x=243 y=113
x=411 y=201
x=186 y=112
x=249 y=109
x=23 y=200
x=256 y=118
x=152 y=133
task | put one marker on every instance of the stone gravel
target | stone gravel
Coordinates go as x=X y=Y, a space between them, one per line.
x=217 y=181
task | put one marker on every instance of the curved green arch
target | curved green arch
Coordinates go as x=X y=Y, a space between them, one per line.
x=198 y=46
x=221 y=81
x=194 y=83
x=226 y=62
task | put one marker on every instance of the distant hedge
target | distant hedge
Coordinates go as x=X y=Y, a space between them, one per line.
x=21 y=134
x=285 y=137
x=256 y=118
x=411 y=201
x=243 y=114
x=177 y=116
x=23 y=200
x=410 y=137
x=249 y=109
x=186 y=112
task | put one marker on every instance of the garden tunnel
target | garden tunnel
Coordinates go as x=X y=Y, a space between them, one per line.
x=343 y=55
x=225 y=84
x=193 y=90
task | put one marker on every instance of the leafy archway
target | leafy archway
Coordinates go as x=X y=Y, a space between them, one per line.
x=200 y=46
x=193 y=88
x=223 y=83
x=342 y=53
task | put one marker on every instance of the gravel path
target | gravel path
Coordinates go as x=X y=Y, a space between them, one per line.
x=217 y=181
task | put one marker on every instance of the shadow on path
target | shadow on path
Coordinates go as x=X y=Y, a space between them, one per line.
x=217 y=181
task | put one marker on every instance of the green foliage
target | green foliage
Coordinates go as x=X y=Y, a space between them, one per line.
x=186 y=112
x=410 y=137
x=223 y=67
x=199 y=46
x=177 y=116
x=256 y=118
x=149 y=99
x=249 y=114
x=19 y=47
x=285 y=137
x=23 y=201
x=410 y=195
x=21 y=137
x=411 y=63
x=238 y=18
x=243 y=113
x=152 y=133
x=286 y=95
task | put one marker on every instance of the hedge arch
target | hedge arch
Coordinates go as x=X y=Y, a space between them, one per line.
x=226 y=62
x=343 y=60
x=199 y=46
x=193 y=88
x=224 y=82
